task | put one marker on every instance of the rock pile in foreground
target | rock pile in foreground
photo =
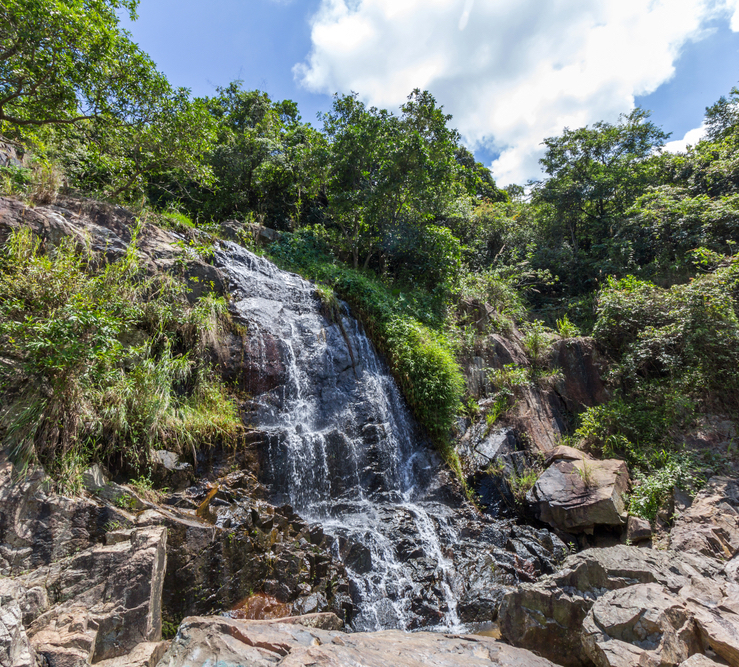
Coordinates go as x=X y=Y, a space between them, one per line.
x=626 y=606
x=230 y=643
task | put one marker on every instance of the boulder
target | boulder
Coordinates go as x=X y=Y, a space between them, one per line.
x=718 y=626
x=711 y=524
x=101 y=602
x=548 y=616
x=146 y=654
x=699 y=660
x=575 y=495
x=639 y=625
x=168 y=471
x=638 y=530
x=232 y=643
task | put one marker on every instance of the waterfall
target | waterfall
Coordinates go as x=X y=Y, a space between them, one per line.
x=344 y=450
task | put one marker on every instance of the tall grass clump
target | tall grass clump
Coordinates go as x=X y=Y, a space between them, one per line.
x=101 y=363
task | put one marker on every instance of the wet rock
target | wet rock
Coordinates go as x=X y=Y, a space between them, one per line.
x=245 y=546
x=711 y=524
x=638 y=530
x=266 y=643
x=577 y=495
x=167 y=471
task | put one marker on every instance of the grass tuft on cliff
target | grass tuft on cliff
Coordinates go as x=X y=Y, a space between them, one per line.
x=101 y=363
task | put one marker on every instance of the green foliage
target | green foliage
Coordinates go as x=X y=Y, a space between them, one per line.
x=537 y=342
x=652 y=491
x=501 y=403
x=522 y=483
x=15 y=181
x=567 y=329
x=102 y=363
x=264 y=161
x=63 y=60
x=595 y=174
x=686 y=335
x=641 y=430
x=510 y=376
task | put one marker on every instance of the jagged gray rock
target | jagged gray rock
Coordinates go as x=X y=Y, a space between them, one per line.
x=100 y=603
x=15 y=648
x=639 y=625
x=711 y=524
x=596 y=608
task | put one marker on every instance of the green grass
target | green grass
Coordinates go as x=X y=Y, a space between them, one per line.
x=102 y=363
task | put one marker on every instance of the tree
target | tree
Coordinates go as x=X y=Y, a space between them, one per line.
x=595 y=175
x=390 y=177
x=177 y=135
x=722 y=118
x=262 y=158
x=63 y=61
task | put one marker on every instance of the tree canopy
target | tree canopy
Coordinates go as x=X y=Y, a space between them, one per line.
x=62 y=61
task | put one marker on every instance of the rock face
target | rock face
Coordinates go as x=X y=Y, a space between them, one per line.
x=581 y=385
x=15 y=648
x=576 y=493
x=642 y=624
x=85 y=578
x=332 y=443
x=231 y=643
x=108 y=229
x=627 y=606
x=84 y=592
x=225 y=544
x=710 y=526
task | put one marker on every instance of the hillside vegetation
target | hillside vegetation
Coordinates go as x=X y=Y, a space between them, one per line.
x=385 y=209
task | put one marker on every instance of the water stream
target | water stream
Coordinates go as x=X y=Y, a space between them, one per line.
x=344 y=450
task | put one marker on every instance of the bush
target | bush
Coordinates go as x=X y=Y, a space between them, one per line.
x=100 y=362
x=652 y=491
x=687 y=335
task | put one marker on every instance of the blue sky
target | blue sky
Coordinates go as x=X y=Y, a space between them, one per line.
x=511 y=71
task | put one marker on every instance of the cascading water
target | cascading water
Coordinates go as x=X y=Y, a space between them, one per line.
x=343 y=449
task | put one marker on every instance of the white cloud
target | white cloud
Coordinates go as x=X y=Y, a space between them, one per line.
x=691 y=138
x=512 y=72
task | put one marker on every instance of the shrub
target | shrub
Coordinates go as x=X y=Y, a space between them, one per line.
x=100 y=362
x=567 y=329
x=537 y=342
x=651 y=491
x=687 y=335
